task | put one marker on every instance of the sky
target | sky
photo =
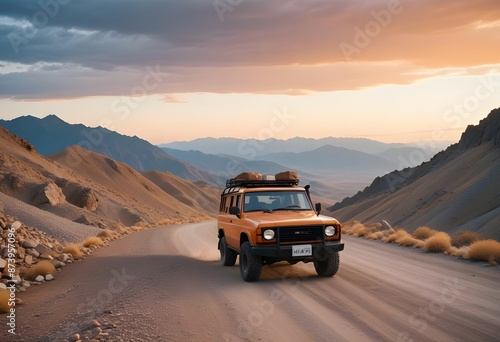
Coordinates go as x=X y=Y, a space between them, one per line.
x=172 y=70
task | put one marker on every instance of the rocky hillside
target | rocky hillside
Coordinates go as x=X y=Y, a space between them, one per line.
x=457 y=189
x=85 y=187
x=52 y=135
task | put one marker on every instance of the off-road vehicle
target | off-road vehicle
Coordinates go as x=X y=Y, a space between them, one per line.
x=266 y=219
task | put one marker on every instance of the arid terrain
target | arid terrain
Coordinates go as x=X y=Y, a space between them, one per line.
x=167 y=284
x=157 y=276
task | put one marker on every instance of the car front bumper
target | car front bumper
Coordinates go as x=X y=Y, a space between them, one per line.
x=285 y=252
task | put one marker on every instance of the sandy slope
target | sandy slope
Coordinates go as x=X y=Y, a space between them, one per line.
x=462 y=194
x=200 y=196
x=171 y=287
x=86 y=187
x=53 y=225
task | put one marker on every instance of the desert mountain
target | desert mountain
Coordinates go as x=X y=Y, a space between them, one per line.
x=199 y=195
x=253 y=148
x=457 y=189
x=331 y=158
x=85 y=187
x=51 y=135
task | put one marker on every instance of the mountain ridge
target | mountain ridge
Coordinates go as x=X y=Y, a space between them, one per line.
x=51 y=135
x=457 y=189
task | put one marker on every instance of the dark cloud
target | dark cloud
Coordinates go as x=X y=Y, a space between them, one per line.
x=95 y=39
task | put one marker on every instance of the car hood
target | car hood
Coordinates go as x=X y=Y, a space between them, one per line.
x=289 y=218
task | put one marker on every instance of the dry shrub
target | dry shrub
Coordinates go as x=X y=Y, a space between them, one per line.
x=405 y=239
x=381 y=235
x=4 y=301
x=438 y=243
x=355 y=228
x=395 y=235
x=485 y=250
x=461 y=252
x=40 y=268
x=464 y=238
x=106 y=234
x=423 y=233
x=74 y=250
x=419 y=243
x=92 y=241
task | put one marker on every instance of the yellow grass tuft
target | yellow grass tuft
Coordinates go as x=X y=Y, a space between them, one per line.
x=74 y=250
x=423 y=233
x=106 y=234
x=405 y=239
x=378 y=235
x=464 y=238
x=438 y=243
x=395 y=235
x=92 y=241
x=4 y=301
x=40 y=268
x=485 y=250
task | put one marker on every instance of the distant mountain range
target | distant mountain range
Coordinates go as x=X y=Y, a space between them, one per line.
x=457 y=189
x=51 y=135
x=341 y=165
x=253 y=149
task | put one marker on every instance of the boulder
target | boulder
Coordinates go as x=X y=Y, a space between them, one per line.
x=48 y=194
x=85 y=198
x=3 y=263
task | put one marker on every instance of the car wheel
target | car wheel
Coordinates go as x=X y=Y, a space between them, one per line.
x=250 y=264
x=227 y=255
x=328 y=266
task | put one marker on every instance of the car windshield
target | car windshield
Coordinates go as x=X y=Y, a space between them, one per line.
x=276 y=200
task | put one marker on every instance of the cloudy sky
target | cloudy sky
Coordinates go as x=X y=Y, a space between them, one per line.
x=166 y=70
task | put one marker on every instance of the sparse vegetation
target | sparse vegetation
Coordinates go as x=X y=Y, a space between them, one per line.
x=106 y=234
x=464 y=238
x=4 y=301
x=423 y=233
x=92 y=241
x=43 y=268
x=438 y=243
x=74 y=250
x=485 y=250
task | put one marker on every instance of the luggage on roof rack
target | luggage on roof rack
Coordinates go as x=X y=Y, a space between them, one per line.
x=253 y=179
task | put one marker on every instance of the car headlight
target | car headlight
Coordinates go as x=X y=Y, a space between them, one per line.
x=330 y=231
x=268 y=234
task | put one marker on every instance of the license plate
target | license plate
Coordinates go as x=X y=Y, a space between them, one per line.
x=301 y=250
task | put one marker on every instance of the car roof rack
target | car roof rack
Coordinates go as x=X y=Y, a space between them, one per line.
x=260 y=183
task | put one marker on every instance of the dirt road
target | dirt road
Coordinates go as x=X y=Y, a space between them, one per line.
x=166 y=284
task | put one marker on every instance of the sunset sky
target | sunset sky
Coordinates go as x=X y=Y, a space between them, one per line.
x=167 y=70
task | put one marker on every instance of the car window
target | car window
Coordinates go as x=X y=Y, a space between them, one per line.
x=276 y=200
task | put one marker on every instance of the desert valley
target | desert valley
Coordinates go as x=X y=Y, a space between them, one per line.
x=67 y=190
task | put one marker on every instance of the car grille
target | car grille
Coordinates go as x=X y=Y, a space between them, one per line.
x=300 y=234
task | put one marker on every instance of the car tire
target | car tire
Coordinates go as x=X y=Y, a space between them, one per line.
x=227 y=255
x=250 y=264
x=328 y=266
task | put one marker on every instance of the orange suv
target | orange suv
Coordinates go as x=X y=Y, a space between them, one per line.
x=266 y=219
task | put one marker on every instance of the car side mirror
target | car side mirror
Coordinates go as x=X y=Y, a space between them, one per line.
x=318 y=208
x=235 y=211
